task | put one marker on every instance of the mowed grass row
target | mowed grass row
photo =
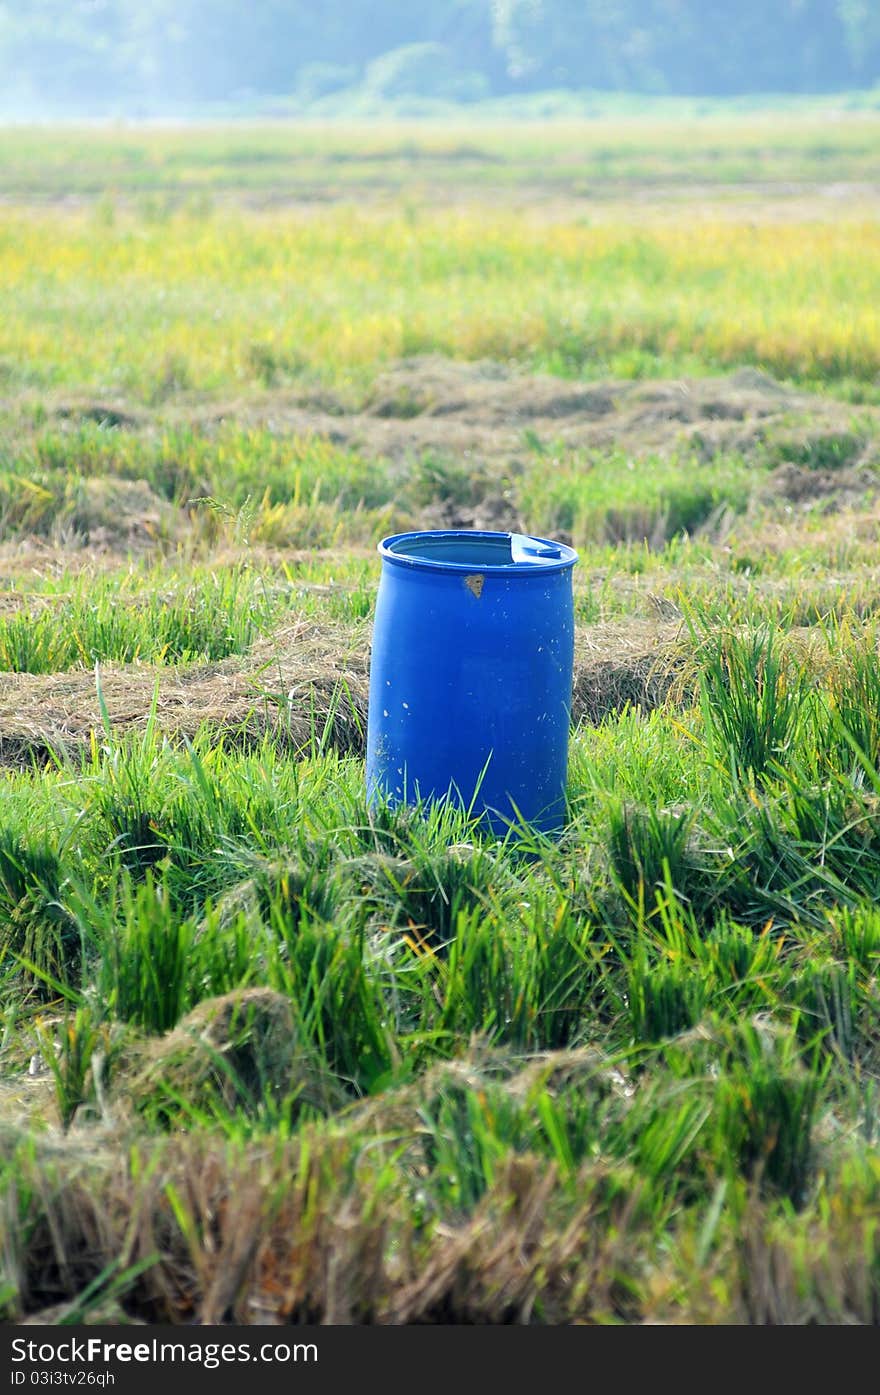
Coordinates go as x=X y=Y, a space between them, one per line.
x=184 y=485
x=205 y=619
x=216 y=304
x=303 y=491
x=181 y=612
x=691 y=142
x=178 y=609
x=704 y=935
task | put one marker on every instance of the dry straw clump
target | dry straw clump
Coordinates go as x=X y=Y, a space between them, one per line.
x=635 y=663
x=311 y=1230
x=320 y=1228
x=230 y=1052
x=307 y=684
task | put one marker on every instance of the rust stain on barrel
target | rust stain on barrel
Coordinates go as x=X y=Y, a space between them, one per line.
x=475 y=585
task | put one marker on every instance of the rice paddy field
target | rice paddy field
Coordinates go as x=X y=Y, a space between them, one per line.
x=268 y=1056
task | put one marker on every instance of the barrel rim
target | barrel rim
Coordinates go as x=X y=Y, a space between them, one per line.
x=539 y=567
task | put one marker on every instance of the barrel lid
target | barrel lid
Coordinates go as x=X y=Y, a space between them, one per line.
x=470 y=550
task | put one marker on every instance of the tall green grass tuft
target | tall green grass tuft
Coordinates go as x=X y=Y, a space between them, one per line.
x=649 y=848
x=70 y=1059
x=752 y=699
x=827 y=1002
x=144 y=951
x=665 y=997
x=561 y=963
x=743 y=965
x=36 y=929
x=848 y=735
x=425 y=888
x=211 y=618
x=316 y=954
x=766 y=1106
x=855 y=932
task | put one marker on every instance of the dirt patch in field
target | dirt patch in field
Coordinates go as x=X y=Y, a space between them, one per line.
x=837 y=489
x=81 y=410
x=308 y=686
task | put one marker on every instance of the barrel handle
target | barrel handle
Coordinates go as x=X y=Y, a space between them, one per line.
x=526 y=549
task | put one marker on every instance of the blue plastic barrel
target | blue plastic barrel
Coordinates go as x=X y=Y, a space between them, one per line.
x=471 y=675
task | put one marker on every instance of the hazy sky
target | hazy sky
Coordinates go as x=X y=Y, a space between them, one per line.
x=130 y=56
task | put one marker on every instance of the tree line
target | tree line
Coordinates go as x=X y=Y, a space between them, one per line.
x=112 y=53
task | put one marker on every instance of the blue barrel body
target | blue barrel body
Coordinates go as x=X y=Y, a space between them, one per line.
x=471 y=674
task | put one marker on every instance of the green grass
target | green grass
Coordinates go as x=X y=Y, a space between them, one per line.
x=563 y=154
x=305 y=1060
x=325 y=298
x=612 y=497
x=399 y=941
x=112 y=620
